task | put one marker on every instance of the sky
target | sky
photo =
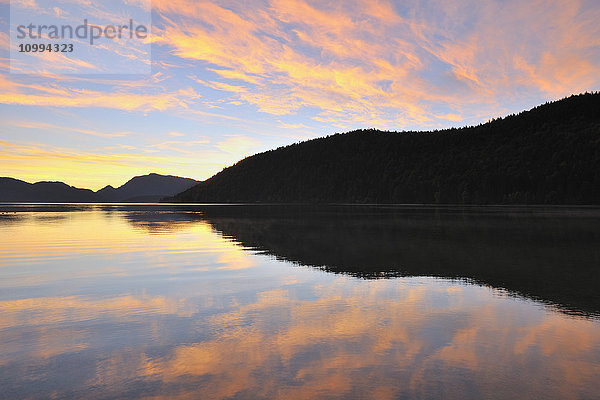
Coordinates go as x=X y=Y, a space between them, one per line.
x=216 y=81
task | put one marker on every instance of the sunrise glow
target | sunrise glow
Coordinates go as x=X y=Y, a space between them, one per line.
x=229 y=79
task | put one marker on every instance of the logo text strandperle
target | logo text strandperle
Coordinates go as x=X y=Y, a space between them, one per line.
x=84 y=31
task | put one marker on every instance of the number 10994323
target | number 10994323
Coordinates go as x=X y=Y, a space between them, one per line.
x=50 y=47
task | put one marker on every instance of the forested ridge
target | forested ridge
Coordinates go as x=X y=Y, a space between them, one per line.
x=548 y=155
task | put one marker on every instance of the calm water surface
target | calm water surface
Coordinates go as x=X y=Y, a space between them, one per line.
x=253 y=302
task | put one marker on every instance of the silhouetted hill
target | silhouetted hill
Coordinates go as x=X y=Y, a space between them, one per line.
x=548 y=155
x=107 y=193
x=147 y=189
x=14 y=190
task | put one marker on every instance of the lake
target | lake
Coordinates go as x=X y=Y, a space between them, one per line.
x=299 y=302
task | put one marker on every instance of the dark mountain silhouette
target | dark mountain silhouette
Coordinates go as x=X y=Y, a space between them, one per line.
x=548 y=155
x=147 y=188
x=14 y=190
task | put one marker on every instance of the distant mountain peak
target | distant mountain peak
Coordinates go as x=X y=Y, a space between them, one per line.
x=144 y=188
x=15 y=190
x=148 y=188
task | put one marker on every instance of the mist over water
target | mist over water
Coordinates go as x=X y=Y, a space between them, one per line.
x=251 y=302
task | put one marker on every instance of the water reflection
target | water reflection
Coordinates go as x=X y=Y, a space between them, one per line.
x=548 y=254
x=151 y=302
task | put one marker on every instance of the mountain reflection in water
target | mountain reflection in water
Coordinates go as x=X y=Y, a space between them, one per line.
x=547 y=254
x=186 y=302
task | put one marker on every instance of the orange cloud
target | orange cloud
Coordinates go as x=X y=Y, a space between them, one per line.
x=57 y=128
x=278 y=78
x=344 y=64
x=362 y=62
x=90 y=98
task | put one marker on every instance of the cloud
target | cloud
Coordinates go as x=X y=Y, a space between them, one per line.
x=337 y=72
x=238 y=145
x=285 y=55
x=281 y=70
x=58 y=128
x=58 y=93
x=359 y=63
